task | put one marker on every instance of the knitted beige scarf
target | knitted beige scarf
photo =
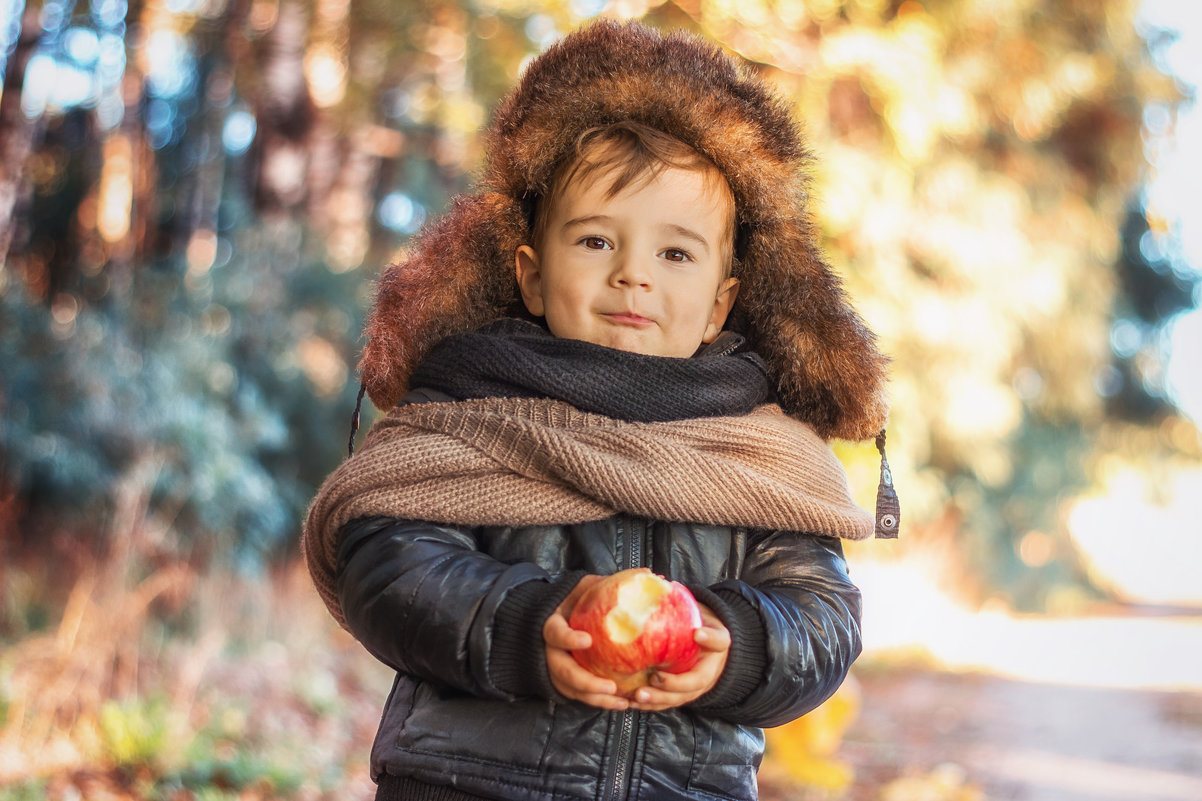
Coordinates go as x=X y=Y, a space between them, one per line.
x=522 y=462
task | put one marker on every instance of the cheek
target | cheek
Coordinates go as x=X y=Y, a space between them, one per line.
x=566 y=294
x=692 y=302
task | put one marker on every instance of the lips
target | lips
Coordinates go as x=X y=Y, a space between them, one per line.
x=628 y=318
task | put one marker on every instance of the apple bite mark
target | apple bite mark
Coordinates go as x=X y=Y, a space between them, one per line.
x=640 y=625
x=637 y=601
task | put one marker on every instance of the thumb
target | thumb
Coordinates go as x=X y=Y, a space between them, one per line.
x=711 y=639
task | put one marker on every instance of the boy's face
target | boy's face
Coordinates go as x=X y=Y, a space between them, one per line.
x=643 y=271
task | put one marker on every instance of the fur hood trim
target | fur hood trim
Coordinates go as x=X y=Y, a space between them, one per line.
x=459 y=275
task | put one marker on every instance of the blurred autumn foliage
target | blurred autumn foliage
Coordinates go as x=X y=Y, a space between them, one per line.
x=195 y=196
x=198 y=194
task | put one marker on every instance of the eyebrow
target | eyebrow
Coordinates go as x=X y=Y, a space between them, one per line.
x=587 y=219
x=689 y=233
x=679 y=230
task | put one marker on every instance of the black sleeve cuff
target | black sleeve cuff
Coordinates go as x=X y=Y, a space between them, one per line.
x=518 y=662
x=748 y=657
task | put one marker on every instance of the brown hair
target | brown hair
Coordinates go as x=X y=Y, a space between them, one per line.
x=631 y=152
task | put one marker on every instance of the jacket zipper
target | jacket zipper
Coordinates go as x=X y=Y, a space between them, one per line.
x=619 y=785
x=727 y=349
x=624 y=761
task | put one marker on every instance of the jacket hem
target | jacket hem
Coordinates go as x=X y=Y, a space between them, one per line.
x=396 y=788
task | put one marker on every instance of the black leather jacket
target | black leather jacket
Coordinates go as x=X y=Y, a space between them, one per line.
x=459 y=613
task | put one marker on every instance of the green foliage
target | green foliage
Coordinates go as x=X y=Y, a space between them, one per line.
x=32 y=790
x=220 y=759
x=141 y=735
x=1155 y=284
x=216 y=794
x=135 y=733
x=201 y=399
x=213 y=776
x=1022 y=508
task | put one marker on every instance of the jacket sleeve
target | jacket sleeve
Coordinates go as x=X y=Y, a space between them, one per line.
x=423 y=599
x=794 y=617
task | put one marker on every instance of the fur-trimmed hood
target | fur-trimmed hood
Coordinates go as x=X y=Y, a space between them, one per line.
x=459 y=271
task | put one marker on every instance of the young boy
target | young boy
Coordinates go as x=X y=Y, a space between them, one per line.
x=624 y=351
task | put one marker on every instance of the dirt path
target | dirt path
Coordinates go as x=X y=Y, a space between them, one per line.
x=1027 y=741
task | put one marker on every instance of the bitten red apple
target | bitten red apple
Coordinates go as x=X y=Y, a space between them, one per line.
x=641 y=624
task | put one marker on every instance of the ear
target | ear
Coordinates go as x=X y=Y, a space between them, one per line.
x=728 y=290
x=530 y=279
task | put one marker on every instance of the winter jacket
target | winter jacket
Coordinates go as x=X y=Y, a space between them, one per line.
x=458 y=612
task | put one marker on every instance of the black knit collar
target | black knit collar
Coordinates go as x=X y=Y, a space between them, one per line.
x=519 y=359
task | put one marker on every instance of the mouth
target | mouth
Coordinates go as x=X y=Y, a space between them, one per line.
x=628 y=318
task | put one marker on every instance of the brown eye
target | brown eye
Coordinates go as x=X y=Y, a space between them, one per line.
x=672 y=254
x=594 y=243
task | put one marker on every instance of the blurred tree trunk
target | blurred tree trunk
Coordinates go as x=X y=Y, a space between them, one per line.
x=285 y=114
x=16 y=144
x=132 y=234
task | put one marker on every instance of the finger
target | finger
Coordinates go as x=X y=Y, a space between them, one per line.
x=649 y=699
x=593 y=691
x=603 y=701
x=708 y=619
x=710 y=639
x=680 y=684
x=558 y=634
x=574 y=681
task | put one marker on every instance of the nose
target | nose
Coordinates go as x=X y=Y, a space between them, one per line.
x=630 y=272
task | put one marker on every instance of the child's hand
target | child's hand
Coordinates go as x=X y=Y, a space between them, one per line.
x=668 y=690
x=567 y=676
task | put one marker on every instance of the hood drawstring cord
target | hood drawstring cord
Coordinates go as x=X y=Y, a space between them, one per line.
x=350 y=446
x=888 y=510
